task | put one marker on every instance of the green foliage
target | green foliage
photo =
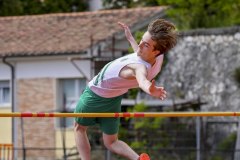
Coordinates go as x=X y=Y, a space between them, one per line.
x=143 y=127
x=30 y=7
x=191 y=14
x=237 y=75
x=138 y=144
x=141 y=107
x=10 y=7
x=143 y=123
x=132 y=93
x=187 y=14
x=151 y=135
x=217 y=158
x=59 y=6
x=123 y=132
x=228 y=143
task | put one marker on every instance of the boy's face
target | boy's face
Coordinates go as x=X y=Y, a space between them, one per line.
x=146 y=48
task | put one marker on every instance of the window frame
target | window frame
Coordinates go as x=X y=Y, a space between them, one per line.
x=60 y=100
x=3 y=85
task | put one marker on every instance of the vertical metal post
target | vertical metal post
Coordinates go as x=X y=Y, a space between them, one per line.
x=14 y=106
x=198 y=138
x=92 y=57
x=107 y=155
x=113 y=46
x=23 y=140
x=91 y=45
x=237 y=146
x=63 y=128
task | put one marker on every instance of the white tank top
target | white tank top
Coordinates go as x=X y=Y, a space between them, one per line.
x=108 y=84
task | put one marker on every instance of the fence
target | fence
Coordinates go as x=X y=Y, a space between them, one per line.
x=6 y=151
x=180 y=136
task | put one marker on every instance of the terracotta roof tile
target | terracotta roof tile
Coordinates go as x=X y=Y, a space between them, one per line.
x=65 y=32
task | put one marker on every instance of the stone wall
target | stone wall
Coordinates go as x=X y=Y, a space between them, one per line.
x=202 y=65
x=36 y=95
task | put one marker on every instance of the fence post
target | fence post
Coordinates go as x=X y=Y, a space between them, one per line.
x=6 y=152
x=107 y=155
x=237 y=146
x=198 y=138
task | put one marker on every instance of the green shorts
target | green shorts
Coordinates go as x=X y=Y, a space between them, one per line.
x=90 y=102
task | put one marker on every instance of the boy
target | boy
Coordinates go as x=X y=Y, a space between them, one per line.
x=104 y=92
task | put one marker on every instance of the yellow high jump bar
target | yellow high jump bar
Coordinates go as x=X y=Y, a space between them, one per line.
x=123 y=114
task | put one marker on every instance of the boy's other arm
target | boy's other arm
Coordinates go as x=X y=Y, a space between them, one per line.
x=140 y=73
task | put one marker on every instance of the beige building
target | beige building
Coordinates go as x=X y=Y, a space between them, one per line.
x=46 y=61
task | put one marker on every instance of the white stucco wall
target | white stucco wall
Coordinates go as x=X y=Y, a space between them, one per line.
x=5 y=72
x=46 y=68
x=52 y=69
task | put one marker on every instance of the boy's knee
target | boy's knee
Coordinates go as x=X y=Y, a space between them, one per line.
x=108 y=145
x=109 y=142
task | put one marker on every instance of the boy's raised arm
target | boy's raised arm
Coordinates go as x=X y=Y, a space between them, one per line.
x=129 y=36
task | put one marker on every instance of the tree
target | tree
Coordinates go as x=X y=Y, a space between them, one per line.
x=30 y=7
x=191 y=14
x=10 y=7
x=62 y=6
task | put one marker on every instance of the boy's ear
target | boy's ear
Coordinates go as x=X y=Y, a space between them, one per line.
x=157 y=52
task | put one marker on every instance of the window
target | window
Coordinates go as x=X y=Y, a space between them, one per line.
x=69 y=93
x=4 y=93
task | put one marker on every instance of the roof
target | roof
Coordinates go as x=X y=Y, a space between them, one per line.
x=65 y=33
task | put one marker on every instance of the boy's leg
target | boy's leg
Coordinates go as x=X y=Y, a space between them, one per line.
x=119 y=147
x=82 y=142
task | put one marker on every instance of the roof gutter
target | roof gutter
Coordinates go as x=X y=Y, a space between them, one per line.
x=13 y=80
x=14 y=109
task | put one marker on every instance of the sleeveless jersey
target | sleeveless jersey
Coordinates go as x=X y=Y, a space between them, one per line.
x=108 y=84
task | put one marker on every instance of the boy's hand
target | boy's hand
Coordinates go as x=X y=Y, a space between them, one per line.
x=156 y=91
x=129 y=36
x=126 y=29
